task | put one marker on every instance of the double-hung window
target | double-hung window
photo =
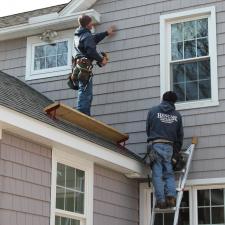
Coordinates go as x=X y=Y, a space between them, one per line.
x=46 y=60
x=184 y=214
x=72 y=190
x=200 y=205
x=189 y=58
x=211 y=206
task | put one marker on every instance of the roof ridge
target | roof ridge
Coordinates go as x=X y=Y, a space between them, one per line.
x=21 y=13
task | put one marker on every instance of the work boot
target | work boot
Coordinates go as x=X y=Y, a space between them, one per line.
x=171 y=201
x=160 y=205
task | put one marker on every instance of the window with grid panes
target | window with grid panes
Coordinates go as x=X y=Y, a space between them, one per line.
x=51 y=55
x=190 y=60
x=70 y=193
x=211 y=206
x=184 y=215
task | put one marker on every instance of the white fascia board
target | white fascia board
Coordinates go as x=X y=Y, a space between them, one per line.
x=18 y=122
x=76 y=6
x=39 y=24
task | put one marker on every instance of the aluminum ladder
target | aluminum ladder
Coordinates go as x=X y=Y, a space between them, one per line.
x=180 y=188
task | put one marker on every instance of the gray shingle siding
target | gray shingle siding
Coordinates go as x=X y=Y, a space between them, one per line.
x=25 y=182
x=115 y=198
x=25 y=187
x=130 y=84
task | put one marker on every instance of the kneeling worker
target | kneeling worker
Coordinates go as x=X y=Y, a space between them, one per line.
x=85 y=53
x=164 y=130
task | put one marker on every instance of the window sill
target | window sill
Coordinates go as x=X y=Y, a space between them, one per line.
x=197 y=104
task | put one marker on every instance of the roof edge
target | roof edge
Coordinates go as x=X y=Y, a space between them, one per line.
x=76 y=6
x=41 y=23
x=14 y=121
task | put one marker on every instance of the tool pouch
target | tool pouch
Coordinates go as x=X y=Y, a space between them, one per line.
x=81 y=71
x=151 y=153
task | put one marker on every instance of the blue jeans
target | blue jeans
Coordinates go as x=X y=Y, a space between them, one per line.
x=162 y=172
x=84 y=97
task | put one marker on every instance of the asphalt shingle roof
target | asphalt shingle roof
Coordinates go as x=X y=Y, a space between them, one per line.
x=18 y=96
x=22 y=18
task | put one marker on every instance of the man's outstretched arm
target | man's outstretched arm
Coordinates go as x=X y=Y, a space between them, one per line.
x=100 y=36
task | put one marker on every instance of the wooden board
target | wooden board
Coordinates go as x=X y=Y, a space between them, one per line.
x=71 y=115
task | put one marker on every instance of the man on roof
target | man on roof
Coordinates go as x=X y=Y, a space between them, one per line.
x=85 y=53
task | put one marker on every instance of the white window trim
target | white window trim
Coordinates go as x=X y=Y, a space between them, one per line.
x=72 y=160
x=34 y=41
x=165 y=22
x=192 y=186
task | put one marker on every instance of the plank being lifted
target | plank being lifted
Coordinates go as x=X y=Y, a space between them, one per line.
x=59 y=110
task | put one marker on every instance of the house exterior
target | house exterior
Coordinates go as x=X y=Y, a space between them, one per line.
x=160 y=45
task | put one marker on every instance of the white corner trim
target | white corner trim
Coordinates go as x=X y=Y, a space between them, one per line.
x=54 y=136
x=144 y=204
x=0 y=132
x=165 y=83
x=42 y=23
x=78 y=163
x=76 y=5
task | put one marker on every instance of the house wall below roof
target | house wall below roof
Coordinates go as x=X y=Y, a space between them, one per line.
x=13 y=57
x=116 y=198
x=25 y=187
x=25 y=182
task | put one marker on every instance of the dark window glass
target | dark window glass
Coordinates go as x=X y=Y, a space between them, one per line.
x=204 y=89
x=179 y=89
x=204 y=215
x=190 y=30
x=189 y=49
x=178 y=73
x=204 y=69
x=217 y=197
x=191 y=71
x=202 y=28
x=177 y=51
x=69 y=200
x=203 y=198
x=70 y=177
x=218 y=215
x=177 y=32
x=202 y=47
x=191 y=91
x=60 y=192
x=61 y=174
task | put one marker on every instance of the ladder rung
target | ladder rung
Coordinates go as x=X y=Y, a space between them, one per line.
x=167 y=210
x=179 y=189
x=179 y=172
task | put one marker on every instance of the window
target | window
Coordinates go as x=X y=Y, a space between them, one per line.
x=49 y=59
x=72 y=190
x=184 y=215
x=189 y=58
x=51 y=55
x=211 y=208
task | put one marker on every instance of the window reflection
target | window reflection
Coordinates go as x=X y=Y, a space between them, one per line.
x=191 y=81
